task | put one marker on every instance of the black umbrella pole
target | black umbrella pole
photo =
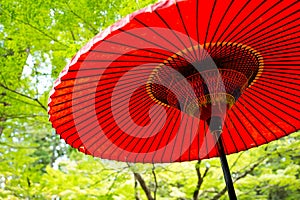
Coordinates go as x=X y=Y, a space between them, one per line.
x=216 y=129
x=226 y=171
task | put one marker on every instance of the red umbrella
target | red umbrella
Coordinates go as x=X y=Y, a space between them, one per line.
x=184 y=80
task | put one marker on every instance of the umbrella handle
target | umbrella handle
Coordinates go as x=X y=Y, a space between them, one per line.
x=216 y=129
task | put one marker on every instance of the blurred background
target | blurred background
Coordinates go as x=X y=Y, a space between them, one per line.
x=37 y=39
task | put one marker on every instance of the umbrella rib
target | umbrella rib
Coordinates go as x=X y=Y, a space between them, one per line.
x=251 y=123
x=208 y=25
x=80 y=97
x=278 y=48
x=130 y=55
x=151 y=29
x=260 y=111
x=140 y=95
x=274 y=29
x=225 y=146
x=116 y=131
x=134 y=115
x=198 y=141
x=191 y=138
x=279 y=61
x=124 y=67
x=255 y=28
x=246 y=130
x=197 y=27
x=186 y=31
x=134 y=47
x=277 y=28
x=259 y=122
x=230 y=136
x=168 y=125
x=255 y=19
x=227 y=28
x=182 y=142
x=263 y=89
x=167 y=25
x=111 y=61
x=228 y=58
x=243 y=19
x=144 y=39
x=221 y=21
x=121 y=72
x=285 y=81
x=87 y=132
x=97 y=96
x=78 y=130
x=169 y=138
x=274 y=74
x=262 y=41
x=175 y=63
x=116 y=72
x=142 y=145
x=290 y=88
x=159 y=140
x=268 y=103
x=126 y=138
x=279 y=57
x=278 y=64
x=206 y=139
x=283 y=90
x=95 y=75
x=277 y=115
x=237 y=131
x=91 y=87
x=282 y=51
x=274 y=43
x=269 y=69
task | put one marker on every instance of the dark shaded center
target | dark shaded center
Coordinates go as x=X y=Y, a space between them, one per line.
x=216 y=75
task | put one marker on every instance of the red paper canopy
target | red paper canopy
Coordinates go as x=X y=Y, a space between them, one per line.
x=144 y=89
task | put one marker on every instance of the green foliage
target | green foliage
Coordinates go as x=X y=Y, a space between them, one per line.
x=37 y=38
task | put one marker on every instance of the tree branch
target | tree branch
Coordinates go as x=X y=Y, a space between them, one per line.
x=236 y=160
x=42 y=32
x=136 y=192
x=247 y=172
x=221 y=193
x=241 y=175
x=143 y=185
x=95 y=31
x=36 y=28
x=73 y=36
x=23 y=95
x=155 y=181
x=200 y=179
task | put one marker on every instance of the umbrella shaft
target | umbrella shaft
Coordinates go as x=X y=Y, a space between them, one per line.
x=226 y=171
x=215 y=126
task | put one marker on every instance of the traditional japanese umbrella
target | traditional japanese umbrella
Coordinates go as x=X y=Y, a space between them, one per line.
x=184 y=80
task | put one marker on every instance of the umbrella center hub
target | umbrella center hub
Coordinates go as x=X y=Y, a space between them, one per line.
x=217 y=76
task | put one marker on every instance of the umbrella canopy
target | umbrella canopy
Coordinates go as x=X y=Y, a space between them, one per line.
x=147 y=88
